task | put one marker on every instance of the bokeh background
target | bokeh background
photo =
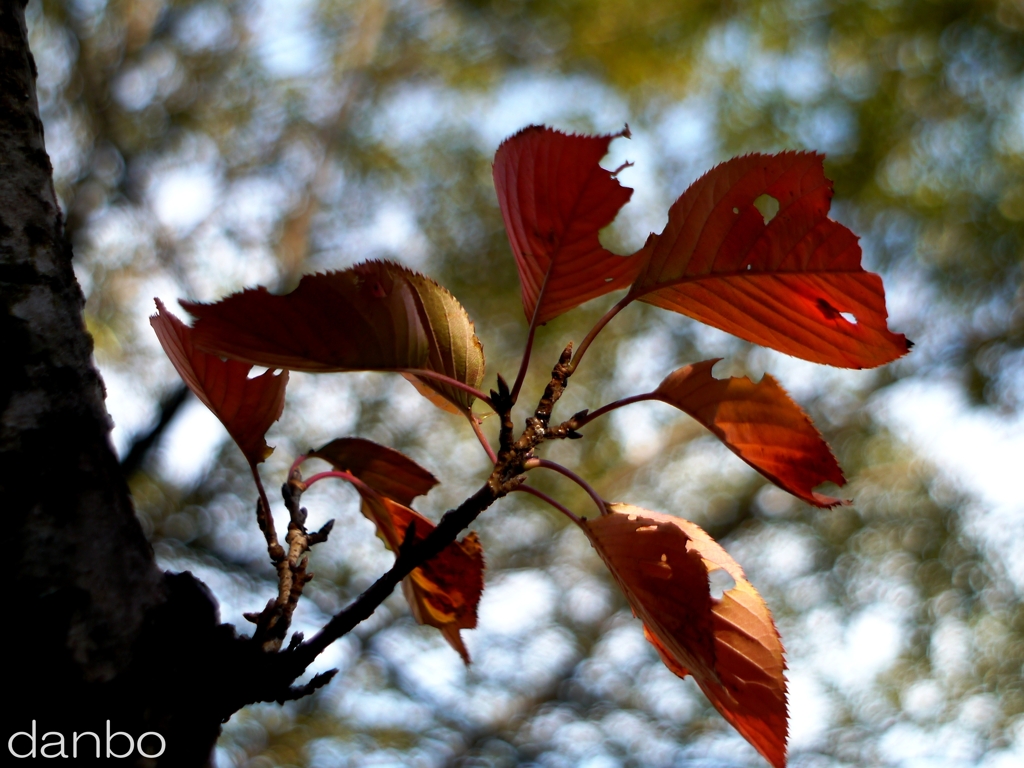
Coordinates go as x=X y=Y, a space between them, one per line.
x=200 y=147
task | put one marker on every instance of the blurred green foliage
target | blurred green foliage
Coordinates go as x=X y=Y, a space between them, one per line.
x=200 y=147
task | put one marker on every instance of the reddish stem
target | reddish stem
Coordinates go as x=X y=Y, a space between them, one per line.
x=617 y=404
x=347 y=476
x=598 y=327
x=475 y=423
x=425 y=374
x=269 y=530
x=544 y=497
x=554 y=466
x=296 y=464
x=525 y=363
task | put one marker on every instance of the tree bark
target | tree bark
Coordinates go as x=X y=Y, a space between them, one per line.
x=99 y=632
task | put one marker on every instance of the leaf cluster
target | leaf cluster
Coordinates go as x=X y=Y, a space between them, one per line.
x=748 y=248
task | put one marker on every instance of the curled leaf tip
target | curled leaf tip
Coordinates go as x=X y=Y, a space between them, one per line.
x=246 y=407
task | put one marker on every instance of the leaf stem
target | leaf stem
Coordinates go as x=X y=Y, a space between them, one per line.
x=598 y=327
x=525 y=363
x=528 y=350
x=423 y=373
x=556 y=467
x=265 y=519
x=341 y=475
x=475 y=423
x=611 y=407
x=296 y=464
x=544 y=497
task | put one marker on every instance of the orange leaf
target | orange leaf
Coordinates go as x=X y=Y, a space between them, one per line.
x=760 y=424
x=246 y=407
x=445 y=590
x=785 y=285
x=730 y=646
x=555 y=198
x=387 y=471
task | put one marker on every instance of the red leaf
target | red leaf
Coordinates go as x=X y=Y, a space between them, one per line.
x=358 y=319
x=785 y=285
x=761 y=425
x=443 y=592
x=375 y=316
x=246 y=407
x=730 y=646
x=387 y=471
x=555 y=198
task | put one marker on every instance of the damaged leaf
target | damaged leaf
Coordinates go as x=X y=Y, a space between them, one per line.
x=443 y=592
x=794 y=284
x=555 y=198
x=731 y=646
x=760 y=424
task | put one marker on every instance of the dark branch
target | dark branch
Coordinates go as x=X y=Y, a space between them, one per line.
x=409 y=558
x=144 y=442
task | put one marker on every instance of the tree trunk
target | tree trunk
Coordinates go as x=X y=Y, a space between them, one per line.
x=102 y=635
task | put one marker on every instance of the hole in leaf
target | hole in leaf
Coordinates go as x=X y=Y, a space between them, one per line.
x=735 y=210
x=608 y=279
x=720 y=582
x=646 y=528
x=768 y=206
x=848 y=317
x=827 y=310
x=256 y=371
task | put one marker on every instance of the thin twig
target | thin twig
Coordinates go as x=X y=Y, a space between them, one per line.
x=475 y=423
x=524 y=364
x=273 y=622
x=340 y=474
x=425 y=374
x=589 y=417
x=598 y=327
x=143 y=443
x=409 y=558
x=296 y=464
x=602 y=505
x=544 y=497
x=265 y=519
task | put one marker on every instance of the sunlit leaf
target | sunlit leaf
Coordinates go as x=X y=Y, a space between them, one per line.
x=384 y=469
x=794 y=284
x=375 y=316
x=760 y=424
x=454 y=347
x=246 y=407
x=729 y=645
x=443 y=592
x=555 y=198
